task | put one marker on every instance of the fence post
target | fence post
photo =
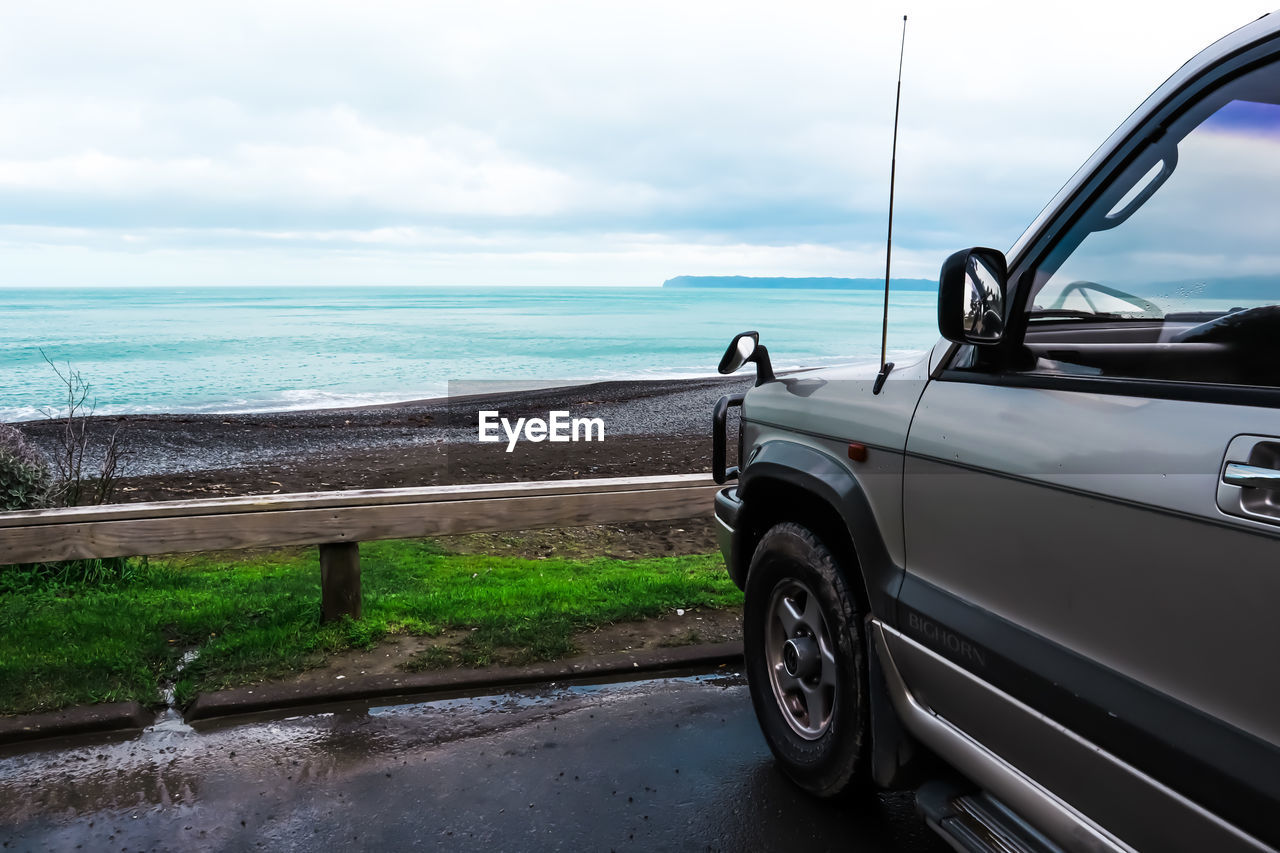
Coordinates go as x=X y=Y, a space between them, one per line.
x=340 y=581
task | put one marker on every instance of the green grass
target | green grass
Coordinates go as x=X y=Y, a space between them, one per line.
x=67 y=643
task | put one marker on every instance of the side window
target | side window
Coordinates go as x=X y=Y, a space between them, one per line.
x=1173 y=273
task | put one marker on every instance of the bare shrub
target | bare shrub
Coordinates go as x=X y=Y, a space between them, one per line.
x=84 y=474
x=86 y=471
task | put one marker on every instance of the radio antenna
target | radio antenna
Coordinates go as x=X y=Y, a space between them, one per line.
x=886 y=366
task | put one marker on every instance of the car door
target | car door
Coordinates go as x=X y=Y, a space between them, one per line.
x=1091 y=507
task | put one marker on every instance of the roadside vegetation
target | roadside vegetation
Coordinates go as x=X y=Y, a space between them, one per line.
x=84 y=472
x=118 y=635
x=106 y=630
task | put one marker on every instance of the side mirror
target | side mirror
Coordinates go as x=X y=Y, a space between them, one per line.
x=971 y=292
x=746 y=347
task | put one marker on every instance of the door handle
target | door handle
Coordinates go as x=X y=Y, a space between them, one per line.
x=1250 y=488
x=1239 y=474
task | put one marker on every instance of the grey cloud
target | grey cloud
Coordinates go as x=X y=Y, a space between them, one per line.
x=702 y=124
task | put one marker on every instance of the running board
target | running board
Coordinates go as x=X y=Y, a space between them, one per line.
x=976 y=822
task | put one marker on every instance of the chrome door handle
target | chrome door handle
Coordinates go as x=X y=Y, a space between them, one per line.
x=1239 y=474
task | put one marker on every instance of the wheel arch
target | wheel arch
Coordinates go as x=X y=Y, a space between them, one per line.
x=786 y=481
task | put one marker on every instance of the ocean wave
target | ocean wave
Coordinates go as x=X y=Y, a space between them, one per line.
x=302 y=399
x=307 y=399
x=17 y=414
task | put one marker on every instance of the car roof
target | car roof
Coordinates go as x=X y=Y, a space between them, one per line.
x=1247 y=36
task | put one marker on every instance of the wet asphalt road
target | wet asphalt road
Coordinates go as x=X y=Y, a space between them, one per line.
x=663 y=764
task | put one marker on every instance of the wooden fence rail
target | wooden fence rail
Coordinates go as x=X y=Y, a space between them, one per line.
x=338 y=521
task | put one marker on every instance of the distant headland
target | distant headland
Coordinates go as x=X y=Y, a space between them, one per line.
x=821 y=283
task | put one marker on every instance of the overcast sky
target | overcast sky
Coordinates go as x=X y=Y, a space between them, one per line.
x=549 y=143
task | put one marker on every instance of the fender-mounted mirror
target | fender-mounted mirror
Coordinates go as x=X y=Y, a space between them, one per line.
x=971 y=296
x=746 y=347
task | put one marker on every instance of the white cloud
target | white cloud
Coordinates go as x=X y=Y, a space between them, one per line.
x=751 y=137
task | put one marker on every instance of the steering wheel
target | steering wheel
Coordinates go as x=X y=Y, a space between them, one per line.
x=1084 y=288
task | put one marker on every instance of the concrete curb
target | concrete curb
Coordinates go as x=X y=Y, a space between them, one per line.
x=85 y=719
x=122 y=716
x=269 y=697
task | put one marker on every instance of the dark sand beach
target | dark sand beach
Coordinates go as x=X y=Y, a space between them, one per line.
x=651 y=427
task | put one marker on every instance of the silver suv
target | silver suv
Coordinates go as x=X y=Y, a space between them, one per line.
x=1036 y=573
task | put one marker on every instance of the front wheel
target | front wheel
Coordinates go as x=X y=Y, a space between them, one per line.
x=805 y=660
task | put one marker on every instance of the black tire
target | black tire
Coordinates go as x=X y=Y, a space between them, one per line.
x=816 y=721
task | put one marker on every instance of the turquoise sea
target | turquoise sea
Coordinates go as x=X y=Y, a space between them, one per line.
x=243 y=349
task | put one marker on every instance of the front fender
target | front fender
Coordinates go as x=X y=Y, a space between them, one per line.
x=781 y=471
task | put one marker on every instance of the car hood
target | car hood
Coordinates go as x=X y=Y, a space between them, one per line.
x=838 y=402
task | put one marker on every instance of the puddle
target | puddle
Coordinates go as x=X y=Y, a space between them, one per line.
x=173 y=763
x=474 y=714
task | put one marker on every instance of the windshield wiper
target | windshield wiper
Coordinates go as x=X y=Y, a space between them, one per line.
x=1073 y=314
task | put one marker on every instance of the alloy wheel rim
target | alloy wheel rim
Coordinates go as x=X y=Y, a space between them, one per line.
x=800 y=658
